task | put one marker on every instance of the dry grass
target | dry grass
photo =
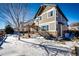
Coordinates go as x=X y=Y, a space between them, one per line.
x=75 y=39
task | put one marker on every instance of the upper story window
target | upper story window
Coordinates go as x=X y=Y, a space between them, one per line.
x=50 y=13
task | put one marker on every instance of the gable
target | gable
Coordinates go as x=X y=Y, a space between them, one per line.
x=40 y=10
x=44 y=8
x=47 y=7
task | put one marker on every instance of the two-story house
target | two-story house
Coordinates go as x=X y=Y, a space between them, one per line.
x=50 y=18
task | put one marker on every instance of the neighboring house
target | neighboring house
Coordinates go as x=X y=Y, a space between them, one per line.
x=51 y=18
x=2 y=32
x=74 y=26
x=25 y=26
x=1 y=29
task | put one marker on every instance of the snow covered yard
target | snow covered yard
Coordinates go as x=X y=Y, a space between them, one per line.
x=32 y=47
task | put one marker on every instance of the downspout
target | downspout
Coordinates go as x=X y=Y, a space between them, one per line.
x=61 y=27
x=56 y=22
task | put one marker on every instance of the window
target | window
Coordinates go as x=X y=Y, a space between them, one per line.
x=45 y=27
x=39 y=17
x=50 y=13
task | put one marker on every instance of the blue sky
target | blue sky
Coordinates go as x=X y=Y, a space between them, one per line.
x=71 y=11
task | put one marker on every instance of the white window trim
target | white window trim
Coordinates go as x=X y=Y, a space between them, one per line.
x=48 y=11
x=50 y=16
x=46 y=23
x=52 y=30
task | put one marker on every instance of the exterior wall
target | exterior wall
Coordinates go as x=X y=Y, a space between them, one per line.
x=45 y=20
x=24 y=29
x=61 y=27
x=52 y=21
x=49 y=7
x=52 y=25
x=65 y=26
x=61 y=19
x=54 y=33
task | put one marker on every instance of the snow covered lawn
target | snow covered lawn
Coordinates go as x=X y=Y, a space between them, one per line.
x=32 y=47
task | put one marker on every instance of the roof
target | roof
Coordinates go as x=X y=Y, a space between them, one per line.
x=29 y=22
x=61 y=12
x=40 y=10
x=46 y=7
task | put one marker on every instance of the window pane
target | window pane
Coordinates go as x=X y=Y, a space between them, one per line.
x=50 y=13
x=45 y=27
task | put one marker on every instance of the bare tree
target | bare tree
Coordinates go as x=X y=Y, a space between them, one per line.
x=14 y=14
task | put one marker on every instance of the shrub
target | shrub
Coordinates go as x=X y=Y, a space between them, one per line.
x=9 y=29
